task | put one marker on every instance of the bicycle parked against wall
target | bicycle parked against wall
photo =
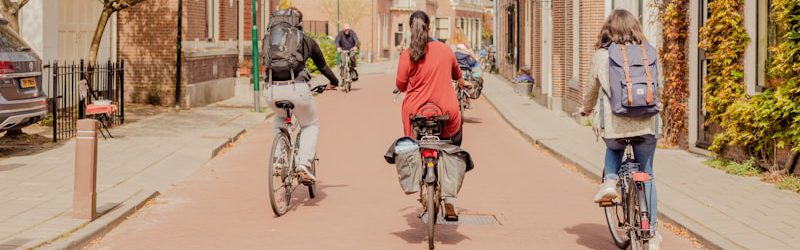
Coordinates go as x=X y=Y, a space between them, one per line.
x=628 y=217
x=487 y=60
x=283 y=179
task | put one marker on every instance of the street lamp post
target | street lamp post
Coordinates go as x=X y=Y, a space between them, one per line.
x=337 y=28
x=257 y=104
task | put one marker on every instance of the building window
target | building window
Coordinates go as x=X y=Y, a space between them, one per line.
x=442 y=28
x=510 y=46
x=768 y=35
x=211 y=19
x=635 y=7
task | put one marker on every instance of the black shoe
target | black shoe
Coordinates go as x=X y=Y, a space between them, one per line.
x=450 y=212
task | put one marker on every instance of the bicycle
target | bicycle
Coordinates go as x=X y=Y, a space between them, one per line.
x=282 y=162
x=628 y=217
x=427 y=129
x=345 y=71
x=463 y=98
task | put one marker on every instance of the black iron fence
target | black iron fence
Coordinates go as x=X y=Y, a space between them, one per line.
x=73 y=86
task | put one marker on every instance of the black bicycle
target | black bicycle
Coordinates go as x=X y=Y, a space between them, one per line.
x=628 y=217
x=427 y=130
x=283 y=179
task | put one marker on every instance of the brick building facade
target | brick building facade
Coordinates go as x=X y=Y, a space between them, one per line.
x=556 y=40
x=211 y=54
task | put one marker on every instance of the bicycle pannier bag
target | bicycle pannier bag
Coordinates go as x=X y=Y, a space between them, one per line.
x=633 y=80
x=452 y=167
x=283 y=44
x=406 y=156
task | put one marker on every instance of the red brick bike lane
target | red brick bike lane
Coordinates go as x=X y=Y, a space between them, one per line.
x=537 y=201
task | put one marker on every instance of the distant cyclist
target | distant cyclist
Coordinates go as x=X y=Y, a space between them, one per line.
x=425 y=73
x=286 y=68
x=347 y=40
x=621 y=28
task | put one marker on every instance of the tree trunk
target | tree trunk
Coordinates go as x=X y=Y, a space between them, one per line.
x=98 y=35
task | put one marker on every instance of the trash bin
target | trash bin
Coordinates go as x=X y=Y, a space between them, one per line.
x=523 y=88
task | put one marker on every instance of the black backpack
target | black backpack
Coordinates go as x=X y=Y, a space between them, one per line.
x=283 y=44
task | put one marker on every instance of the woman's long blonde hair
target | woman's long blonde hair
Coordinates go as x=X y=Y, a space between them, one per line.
x=621 y=27
x=459 y=37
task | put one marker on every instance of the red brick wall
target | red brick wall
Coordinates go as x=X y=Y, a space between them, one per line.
x=248 y=23
x=202 y=69
x=195 y=22
x=562 y=46
x=228 y=22
x=592 y=18
x=147 y=44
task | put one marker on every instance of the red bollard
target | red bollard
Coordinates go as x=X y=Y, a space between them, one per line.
x=84 y=200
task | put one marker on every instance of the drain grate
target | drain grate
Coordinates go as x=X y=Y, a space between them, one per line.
x=466 y=219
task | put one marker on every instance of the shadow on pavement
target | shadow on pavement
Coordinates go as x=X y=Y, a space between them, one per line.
x=301 y=194
x=418 y=233
x=11 y=166
x=14 y=243
x=472 y=120
x=592 y=236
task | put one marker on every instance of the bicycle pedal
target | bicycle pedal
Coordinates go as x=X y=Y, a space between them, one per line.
x=605 y=203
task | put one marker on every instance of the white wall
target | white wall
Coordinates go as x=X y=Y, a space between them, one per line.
x=40 y=32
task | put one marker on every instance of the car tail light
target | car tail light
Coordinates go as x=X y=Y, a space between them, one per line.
x=6 y=68
x=430 y=153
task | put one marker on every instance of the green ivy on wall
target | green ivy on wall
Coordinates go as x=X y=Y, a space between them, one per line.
x=673 y=15
x=766 y=122
x=724 y=38
x=771 y=120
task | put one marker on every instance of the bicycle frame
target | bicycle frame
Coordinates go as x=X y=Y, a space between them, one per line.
x=633 y=200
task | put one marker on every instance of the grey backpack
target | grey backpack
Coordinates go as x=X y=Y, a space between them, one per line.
x=283 y=44
x=633 y=79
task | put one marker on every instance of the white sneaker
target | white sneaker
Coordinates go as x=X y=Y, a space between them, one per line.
x=655 y=242
x=607 y=192
x=305 y=174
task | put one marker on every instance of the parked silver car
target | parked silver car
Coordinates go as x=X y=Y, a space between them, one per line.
x=22 y=101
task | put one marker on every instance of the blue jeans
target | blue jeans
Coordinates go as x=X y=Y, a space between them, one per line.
x=643 y=153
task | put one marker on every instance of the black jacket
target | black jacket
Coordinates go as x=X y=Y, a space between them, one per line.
x=311 y=50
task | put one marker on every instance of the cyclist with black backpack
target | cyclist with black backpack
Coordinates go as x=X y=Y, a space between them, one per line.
x=622 y=96
x=285 y=51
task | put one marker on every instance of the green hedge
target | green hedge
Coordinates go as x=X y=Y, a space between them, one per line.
x=328 y=49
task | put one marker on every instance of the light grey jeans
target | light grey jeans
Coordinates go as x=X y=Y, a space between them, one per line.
x=305 y=115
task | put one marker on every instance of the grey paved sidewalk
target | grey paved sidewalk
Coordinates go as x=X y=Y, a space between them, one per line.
x=36 y=190
x=729 y=212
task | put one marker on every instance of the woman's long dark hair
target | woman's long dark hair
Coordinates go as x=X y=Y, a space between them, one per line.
x=420 y=35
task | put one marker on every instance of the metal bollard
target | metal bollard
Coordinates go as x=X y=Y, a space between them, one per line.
x=84 y=200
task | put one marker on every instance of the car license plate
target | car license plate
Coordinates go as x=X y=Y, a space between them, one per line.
x=28 y=83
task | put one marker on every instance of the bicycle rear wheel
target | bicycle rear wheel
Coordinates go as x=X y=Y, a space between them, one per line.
x=431 y=210
x=279 y=164
x=616 y=218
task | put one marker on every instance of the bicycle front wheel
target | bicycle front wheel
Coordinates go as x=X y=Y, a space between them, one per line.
x=279 y=164
x=312 y=187
x=432 y=213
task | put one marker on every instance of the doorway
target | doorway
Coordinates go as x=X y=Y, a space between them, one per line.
x=705 y=135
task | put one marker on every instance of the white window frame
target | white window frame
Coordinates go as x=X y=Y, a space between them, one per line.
x=442 y=27
x=212 y=20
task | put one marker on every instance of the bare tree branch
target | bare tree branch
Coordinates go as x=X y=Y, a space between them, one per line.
x=21 y=3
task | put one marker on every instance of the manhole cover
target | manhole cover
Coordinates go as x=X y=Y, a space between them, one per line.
x=466 y=219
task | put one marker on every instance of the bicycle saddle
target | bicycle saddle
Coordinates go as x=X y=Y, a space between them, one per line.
x=284 y=105
x=631 y=140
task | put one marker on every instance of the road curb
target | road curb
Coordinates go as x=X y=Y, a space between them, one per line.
x=97 y=228
x=671 y=215
x=236 y=137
